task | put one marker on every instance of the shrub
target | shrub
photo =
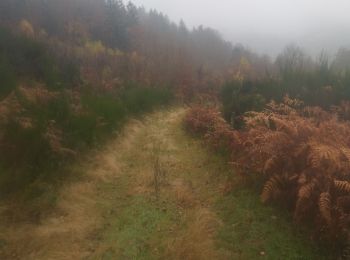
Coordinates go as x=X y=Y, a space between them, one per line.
x=209 y=124
x=238 y=98
x=47 y=129
x=138 y=99
x=313 y=87
x=106 y=107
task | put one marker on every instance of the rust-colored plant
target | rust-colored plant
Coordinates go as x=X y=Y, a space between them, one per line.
x=209 y=124
x=301 y=153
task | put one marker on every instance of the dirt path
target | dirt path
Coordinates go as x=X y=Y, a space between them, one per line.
x=121 y=210
x=153 y=193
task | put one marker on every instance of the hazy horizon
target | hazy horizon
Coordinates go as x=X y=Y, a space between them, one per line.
x=266 y=26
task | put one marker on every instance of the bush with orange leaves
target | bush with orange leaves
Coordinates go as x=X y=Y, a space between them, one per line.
x=209 y=123
x=301 y=153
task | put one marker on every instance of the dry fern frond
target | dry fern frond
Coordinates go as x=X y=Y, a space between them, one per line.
x=271 y=187
x=301 y=151
x=324 y=204
x=342 y=186
x=271 y=165
x=307 y=190
x=322 y=156
x=346 y=153
x=285 y=126
x=302 y=179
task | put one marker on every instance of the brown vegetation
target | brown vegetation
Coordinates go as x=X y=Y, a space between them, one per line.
x=302 y=155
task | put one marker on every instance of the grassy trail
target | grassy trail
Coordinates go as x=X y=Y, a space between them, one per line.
x=156 y=193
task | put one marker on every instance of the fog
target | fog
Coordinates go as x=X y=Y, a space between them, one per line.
x=266 y=26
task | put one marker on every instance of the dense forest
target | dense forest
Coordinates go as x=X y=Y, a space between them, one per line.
x=73 y=72
x=69 y=77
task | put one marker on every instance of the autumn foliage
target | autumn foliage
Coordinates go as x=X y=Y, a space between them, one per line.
x=302 y=154
x=208 y=123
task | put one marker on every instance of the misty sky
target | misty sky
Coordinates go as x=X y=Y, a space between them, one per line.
x=266 y=26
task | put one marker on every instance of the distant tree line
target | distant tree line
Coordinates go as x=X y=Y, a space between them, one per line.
x=323 y=81
x=126 y=43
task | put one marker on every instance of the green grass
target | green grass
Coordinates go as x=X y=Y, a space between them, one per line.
x=134 y=231
x=251 y=228
x=136 y=224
